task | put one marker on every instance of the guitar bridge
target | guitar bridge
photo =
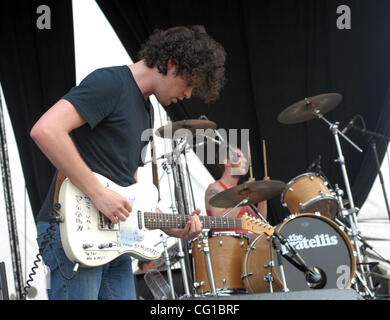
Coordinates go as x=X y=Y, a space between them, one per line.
x=105 y=224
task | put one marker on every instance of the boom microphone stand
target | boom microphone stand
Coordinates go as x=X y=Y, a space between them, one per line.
x=312 y=275
x=183 y=207
x=371 y=140
x=333 y=127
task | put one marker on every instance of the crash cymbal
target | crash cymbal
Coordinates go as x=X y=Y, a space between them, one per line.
x=256 y=191
x=169 y=130
x=303 y=110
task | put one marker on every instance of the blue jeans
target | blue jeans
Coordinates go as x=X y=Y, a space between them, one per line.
x=112 y=281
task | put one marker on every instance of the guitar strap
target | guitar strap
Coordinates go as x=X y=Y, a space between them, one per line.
x=153 y=155
x=60 y=179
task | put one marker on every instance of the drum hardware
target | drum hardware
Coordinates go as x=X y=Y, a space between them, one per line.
x=311 y=275
x=241 y=203
x=365 y=245
x=224 y=284
x=278 y=248
x=315 y=107
x=209 y=267
x=199 y=285
x=352 y=216
x=182 y=204
x=268 y=278
x=168 y=264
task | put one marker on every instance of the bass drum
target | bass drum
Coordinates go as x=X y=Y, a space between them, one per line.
x=317 y=239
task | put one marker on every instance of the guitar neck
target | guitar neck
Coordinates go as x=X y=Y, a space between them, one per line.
x=168 y=220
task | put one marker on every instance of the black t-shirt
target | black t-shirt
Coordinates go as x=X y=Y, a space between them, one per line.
x=117 y=114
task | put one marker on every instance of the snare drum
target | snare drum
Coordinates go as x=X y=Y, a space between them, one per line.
x=308 y=192
x=317 y=239
x=227 y=249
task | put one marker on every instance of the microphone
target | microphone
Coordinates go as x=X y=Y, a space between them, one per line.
x=350 y=124
x=315 y=164
x=315 y=278
x=236 y=156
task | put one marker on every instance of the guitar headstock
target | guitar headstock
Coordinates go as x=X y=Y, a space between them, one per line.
x=256 y=225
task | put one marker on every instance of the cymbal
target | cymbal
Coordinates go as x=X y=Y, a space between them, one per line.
x=303 y=110
x=255 y=191
x=169 y=130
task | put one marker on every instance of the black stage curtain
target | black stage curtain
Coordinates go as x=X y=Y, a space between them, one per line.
x=280 y=52
x=36 y=68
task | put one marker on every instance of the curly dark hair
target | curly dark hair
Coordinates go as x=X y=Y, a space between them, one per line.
x=198 y=58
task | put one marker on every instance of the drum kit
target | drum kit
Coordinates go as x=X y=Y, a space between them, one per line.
x=317 y=246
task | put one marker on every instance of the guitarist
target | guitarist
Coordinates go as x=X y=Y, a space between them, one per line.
x=97 y=127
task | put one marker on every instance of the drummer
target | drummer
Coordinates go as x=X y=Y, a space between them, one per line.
x=232 y=172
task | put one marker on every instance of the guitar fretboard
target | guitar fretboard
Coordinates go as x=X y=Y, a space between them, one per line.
x=168 y=220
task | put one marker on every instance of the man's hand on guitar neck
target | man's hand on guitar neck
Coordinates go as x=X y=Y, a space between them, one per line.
x=191 y=230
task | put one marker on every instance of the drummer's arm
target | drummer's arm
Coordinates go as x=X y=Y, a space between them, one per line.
x=262 y=206
x=214 y=211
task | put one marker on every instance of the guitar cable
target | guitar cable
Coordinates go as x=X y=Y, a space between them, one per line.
x=48 y=237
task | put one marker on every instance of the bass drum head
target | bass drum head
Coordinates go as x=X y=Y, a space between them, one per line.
x=321 y=244
x=317 y=239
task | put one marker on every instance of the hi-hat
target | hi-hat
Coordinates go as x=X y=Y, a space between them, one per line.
x=168 y=131
x=303 y=110
x=255 y=191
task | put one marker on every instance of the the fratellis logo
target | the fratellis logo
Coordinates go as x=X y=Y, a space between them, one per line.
x=299 y=242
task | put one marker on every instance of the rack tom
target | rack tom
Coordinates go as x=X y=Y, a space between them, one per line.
x=308 y=192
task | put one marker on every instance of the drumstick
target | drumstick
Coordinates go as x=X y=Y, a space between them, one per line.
x=265 y=159
x=250 y=161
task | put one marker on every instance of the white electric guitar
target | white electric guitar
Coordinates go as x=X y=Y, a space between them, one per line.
x=90 y=239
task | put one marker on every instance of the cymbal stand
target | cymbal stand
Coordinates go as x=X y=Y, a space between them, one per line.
x=365 y=245
x=181 y=205
x=180 y=146
x=210 y=274
x=168 y=264
x=241 y=203
x=343 y=213
x=333 y=127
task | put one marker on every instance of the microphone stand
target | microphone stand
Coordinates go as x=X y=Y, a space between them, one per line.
x=182 y=206
x=371 y=140
x=164 y=240
x=333 y=127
